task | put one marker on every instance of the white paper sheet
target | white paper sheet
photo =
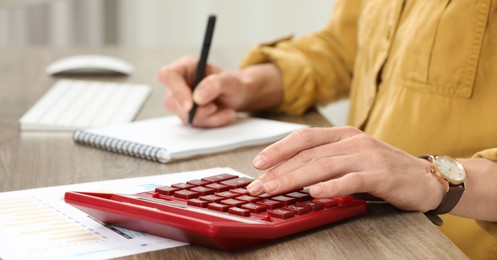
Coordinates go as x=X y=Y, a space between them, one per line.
x=38 y=224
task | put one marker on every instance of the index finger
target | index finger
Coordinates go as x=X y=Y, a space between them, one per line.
x=298 y=141
x=176 y=77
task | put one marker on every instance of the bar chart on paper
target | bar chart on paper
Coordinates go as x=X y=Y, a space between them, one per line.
x=50 y=228
x=38 y=224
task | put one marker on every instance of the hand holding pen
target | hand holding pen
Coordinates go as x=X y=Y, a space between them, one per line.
x=213 y=95
x=199 y=93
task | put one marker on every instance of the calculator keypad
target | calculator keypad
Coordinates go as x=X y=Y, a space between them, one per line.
x=227 y=193
x=216 y=211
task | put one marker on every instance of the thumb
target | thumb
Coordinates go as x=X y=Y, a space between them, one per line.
x=208 y=90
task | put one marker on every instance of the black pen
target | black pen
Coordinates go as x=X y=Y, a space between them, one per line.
x=202 y=62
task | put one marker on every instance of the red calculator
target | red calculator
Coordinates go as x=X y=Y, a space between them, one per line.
x=216 y=211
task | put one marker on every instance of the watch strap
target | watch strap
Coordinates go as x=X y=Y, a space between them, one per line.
x=450 y=200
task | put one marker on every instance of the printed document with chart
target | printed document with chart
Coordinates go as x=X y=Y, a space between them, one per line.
x=38 y=224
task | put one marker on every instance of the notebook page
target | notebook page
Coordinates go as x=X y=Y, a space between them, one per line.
x=183 y=141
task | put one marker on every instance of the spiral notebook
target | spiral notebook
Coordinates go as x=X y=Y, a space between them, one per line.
x=166 y=139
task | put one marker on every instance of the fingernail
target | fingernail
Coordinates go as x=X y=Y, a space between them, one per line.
x=198 y=96
x=260 y=161
x=271 y=186
x=254 y=187
x=316 y=191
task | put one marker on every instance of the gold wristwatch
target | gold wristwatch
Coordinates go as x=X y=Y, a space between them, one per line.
x=452 y=175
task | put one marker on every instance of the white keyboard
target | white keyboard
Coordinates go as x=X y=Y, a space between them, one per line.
x=76 y=104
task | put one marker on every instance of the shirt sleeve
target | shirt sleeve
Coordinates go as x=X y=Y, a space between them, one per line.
x=490 y=154
x=316 y=68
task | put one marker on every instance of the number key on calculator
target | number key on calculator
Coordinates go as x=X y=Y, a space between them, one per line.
x=216 y=211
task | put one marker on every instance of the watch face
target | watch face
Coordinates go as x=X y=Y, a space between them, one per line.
x=452 y=170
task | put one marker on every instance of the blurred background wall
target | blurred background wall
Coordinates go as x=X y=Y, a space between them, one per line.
x=152 y=23
x=155 y=22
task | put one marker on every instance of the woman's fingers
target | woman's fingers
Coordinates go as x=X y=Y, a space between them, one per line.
x=299 y=141
x=277 y=181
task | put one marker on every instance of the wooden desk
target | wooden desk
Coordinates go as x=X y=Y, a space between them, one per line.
x=31 y=160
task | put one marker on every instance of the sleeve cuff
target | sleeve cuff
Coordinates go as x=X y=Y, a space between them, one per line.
x=297 y=74
x=490 y=154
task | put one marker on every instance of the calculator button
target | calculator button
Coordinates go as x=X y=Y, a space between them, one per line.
x=202 y=190
x=220 y=177
x=299 y=210
x=305 y=191
x=218 y=207
x=226 y=194
x=217 y=187
x=198 y=182
x=238 y=182
x=166 y=190
x=281 y=213
x=182 y=186
x=328 y=203
x=247 y=198
x=211 y=198
x=241 y=191
x=285 y=200
x=186 y=194
x=299 y=196
x=232 y=202
x=239 y=212
x=312 y=205
x=265 y=196
x=198 y=203
x=270 y=204
x=254 y=208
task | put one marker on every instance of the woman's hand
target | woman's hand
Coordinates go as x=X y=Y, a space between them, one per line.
x=344 y=160
x=221 y=93
x=218 y=95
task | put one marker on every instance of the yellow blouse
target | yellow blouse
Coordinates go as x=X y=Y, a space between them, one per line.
x=421 y=75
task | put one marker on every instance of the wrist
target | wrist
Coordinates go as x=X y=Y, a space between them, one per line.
x=434 y=188
x=262 y=85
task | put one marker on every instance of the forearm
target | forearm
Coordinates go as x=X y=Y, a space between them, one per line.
x=479 y=200
x=263 y=87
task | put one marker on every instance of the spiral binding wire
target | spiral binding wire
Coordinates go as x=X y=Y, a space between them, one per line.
x=116 y=145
